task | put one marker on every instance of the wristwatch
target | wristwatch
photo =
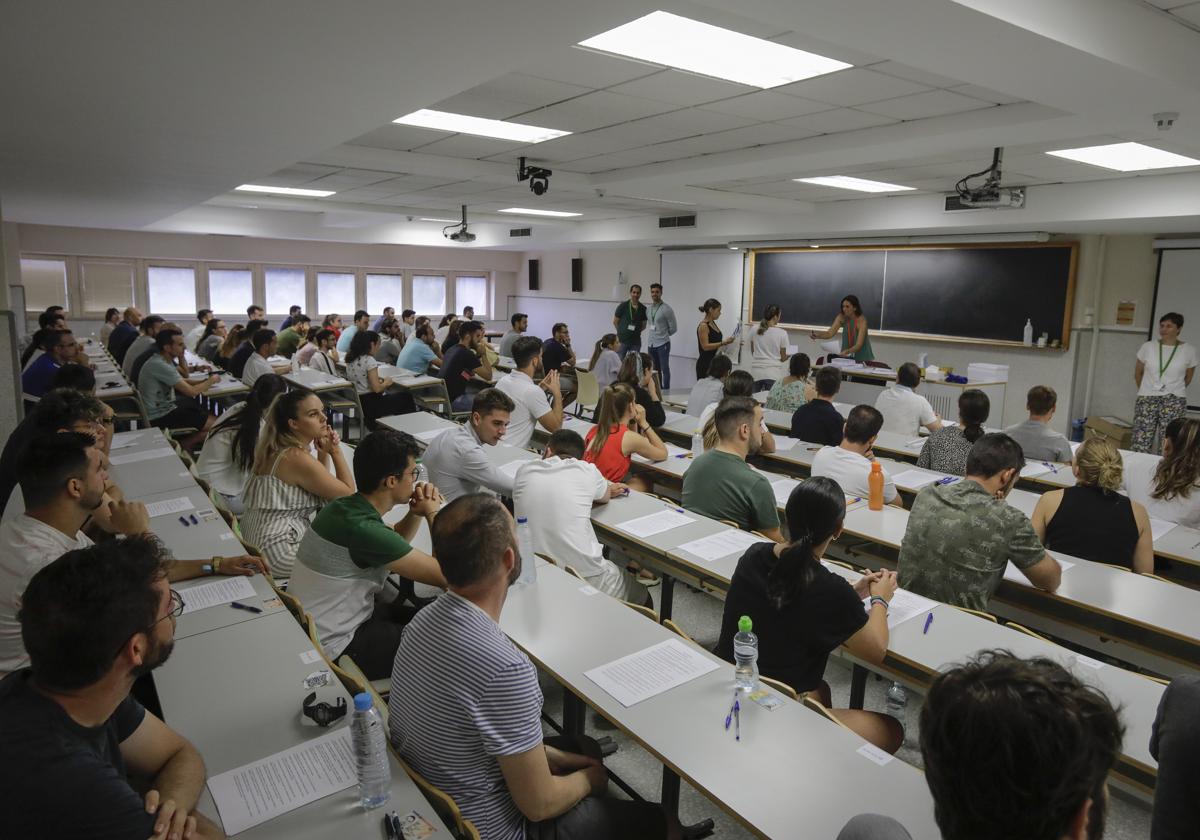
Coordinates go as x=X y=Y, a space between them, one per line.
x=213 y=567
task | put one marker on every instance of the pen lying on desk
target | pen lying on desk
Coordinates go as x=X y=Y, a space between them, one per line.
x=245 y=607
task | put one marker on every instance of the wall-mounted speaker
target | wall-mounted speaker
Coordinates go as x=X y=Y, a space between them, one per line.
x=577 y=274
x=535 y=275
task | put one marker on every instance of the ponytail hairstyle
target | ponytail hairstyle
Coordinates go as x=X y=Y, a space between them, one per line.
x=277 y=434
x=633 y=368
x=709 y=305
x=603 y=342
x=772 y=311
x=1099 y=464
x=814 y=513
x=232 y=339
x=245 y=423
x=615 y=401
x=973 y=409
x=1179 y=472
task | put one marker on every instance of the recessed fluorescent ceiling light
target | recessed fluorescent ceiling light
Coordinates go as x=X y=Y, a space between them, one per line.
x=262 y=188
x=525 y=211
x=480 y=126
x=427 y=219
x=1126 y=157
x=845 y=182
x=664 y=38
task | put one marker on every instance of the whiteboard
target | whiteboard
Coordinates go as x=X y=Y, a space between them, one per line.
x=1179 y=291
x=587 y=319
x=691 y=277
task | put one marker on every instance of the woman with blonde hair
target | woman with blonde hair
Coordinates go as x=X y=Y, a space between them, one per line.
x=1168 y=486
x=288 y=485
x=606 y=361
x=621 y=431
x=232 y=340
x=1092 y=520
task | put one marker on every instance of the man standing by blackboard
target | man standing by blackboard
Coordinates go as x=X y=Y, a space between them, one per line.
x=662 y=327
x=629 y=320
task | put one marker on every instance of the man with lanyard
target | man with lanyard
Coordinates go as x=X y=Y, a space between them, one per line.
x=662 y=327
x=629 y=320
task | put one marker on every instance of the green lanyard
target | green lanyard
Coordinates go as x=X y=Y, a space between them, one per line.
x=632 y=313
x=1161 y=367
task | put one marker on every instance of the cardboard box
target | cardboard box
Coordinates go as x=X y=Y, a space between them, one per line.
x=1119 y=431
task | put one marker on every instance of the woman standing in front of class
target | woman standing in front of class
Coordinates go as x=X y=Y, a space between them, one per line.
x=708 y=337
x=856 y=344
x=1163 y=372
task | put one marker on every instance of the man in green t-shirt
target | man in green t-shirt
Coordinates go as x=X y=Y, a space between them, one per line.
x=347 y=553
x=291 y=338
x=720 y=484
x=629 y=321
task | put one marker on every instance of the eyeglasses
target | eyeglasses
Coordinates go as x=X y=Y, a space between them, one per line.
x=176 y=608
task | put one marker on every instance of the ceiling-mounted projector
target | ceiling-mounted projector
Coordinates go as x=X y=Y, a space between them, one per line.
x=988 y=195
x=459 y=232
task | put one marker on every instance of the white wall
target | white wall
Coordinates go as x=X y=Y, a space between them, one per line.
x=10 y=264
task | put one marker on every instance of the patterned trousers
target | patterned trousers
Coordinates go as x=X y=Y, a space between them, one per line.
x=1150 y=418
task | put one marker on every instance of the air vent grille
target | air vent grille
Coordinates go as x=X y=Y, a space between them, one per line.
x=677 y=221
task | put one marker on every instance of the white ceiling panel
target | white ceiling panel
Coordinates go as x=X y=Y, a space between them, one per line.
x=838 y=120
x=986 y=94
x=810 y=43
x=469 y=146
x=766 y=105
x=915 y=74
x=679 y=88
x=571 y=147
x=576 y=66
x=852 y=87
x=455 y=190
x=529 y=90
x=738 y=138
x=297 y=174
x=346 y=179
x=476 y=104
x=932 y=103
x=596 y=110
x=1190 y=13
x=398 y=137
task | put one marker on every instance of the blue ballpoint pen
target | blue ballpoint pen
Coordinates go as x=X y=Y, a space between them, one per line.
x=737 y=720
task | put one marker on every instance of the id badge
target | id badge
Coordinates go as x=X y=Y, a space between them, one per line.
x=632 y=327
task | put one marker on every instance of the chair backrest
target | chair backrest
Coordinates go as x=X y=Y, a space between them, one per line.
x=290 y=601
x=589 y=388
x=646 y=611
x=671 y=625
x=817 y=706
x=1156 y=577
x=978 y=613
x=844 y=565
x=780 y=686
x=1021 y=628
x=447 y=809
x=548 y=559
x=571 y=570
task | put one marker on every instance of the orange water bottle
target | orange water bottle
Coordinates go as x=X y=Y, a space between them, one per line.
x=875 y=486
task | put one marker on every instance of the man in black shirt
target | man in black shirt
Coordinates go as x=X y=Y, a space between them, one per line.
x=817 y=421
x=558 y=355
x=93 y=621
x=463 y=361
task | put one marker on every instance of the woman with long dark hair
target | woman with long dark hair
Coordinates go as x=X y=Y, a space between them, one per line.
x=802 y=610
x=856 y=343
x=362 y=368
x=708 y=336
x=946 y=449
x=637 y=372
x=1169 y=486
x=227 y=457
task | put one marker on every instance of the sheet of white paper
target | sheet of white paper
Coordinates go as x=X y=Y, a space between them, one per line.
x=915 y=444
x=429 y=434
x=510 y=469
x=1033 y=468
x=872 y=752
x=783 y=444
x=655 y=523
x=169 y=506
x=639 y=676
x=216 y=592
x=1012 y=573
x=254 y=793
x=783 y=490
x=1160 y=527
x=915 y=478
x=133 y=457
x=793 y=349
x=903 y=606
x=720 y=545
x=1075 y=444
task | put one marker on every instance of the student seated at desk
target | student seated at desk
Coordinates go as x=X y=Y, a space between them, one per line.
x=226 y=460
x=457 y=464
x=721 y=485
x=605 y=363
x=793 y=390
x=960 y=536
x=63 y=477
x=319 y=354
x=348 y=552
x=1092 y=520
x=293 y=335
x=1014 y=748
x=557 y=494
x=946 y=449
x=557 y=354
x=485 y=747
x=112 y=317
x=362 y=369
x=621 y=431
x=1169 y=486
x=223 y=357
x=711 y=388
x=802 y=611
x=361 y=322
x=637 y=371
x=849 y=463
x=904 y=410
x=420 y=351
x=464 y=361
x=288 y=485
x=151 y=326
x=817 y=421
x=59 y=349
x=264 y=343
x=95 y=620
x=210 y=342
x=1175 y=745
x=537 y=397
x=520 y=323
x=391 y=340
x=739 y=383
x=124 y=333
x=237 y=362
x=169 y=397
x=1038 y=441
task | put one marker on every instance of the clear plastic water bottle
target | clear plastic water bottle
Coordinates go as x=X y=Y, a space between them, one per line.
x=528 y=558
x=697 y=445
x=897 y=699
x=745 y=656
x=370 y=753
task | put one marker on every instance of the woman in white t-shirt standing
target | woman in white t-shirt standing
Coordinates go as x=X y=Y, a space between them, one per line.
x=769 y=348
x=1163 y=372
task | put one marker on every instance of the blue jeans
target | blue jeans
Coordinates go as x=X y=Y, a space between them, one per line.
x=661 y=356
x=625 y=349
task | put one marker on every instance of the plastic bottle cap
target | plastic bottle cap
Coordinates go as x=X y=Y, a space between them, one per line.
x=521 y=520
x=745 y=625
x=876 y=466
x=362 y=702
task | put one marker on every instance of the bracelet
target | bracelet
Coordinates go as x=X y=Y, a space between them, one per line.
x=216 y=564
x=875 y=599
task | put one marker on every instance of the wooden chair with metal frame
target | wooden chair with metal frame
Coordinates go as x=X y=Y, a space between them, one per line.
x=1021 y=628
x=1155 y=577
x=587 y=397
x=644 y=610
x=778 y=685
x=674 y=627
x=977 y=613
x=820 y=708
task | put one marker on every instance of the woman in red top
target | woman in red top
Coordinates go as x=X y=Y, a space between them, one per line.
x=621 y=431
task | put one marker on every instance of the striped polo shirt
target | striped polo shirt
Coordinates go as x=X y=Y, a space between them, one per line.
x=463 y=694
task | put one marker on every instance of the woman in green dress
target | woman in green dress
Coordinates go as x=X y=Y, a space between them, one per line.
x=856 y=343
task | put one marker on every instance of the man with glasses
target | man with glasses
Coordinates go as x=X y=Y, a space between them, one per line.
x=348 y=552
x=60 y=349
x=95 y=620
x=63 y=478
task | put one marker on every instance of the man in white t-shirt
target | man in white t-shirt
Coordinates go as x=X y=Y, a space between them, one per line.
x=528 y=395
x=192 y=339
x=849 y=463
x=556 y=494
x=904 y=410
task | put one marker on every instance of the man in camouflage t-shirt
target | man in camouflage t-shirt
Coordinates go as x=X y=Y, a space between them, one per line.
x=961 y=536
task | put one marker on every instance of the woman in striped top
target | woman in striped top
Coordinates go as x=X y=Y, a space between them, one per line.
x=289 y=485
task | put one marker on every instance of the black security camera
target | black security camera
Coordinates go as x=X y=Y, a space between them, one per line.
x=538 y=178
